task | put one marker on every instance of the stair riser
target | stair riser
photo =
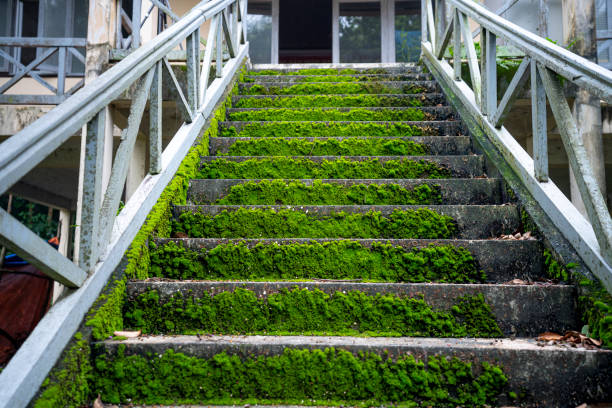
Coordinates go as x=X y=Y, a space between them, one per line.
x=431 y=113
x=436 y=145
x=473 y=222
x=502 y=261
x=330 y=88
x=425 y=128
x=300 y=79
x=520 y=310
x=424 y=99
x=308 y=69
x=453 y=191
x=460 y=166
x=546 y=376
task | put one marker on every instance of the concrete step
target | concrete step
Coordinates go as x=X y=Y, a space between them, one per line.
x=435 y=145
x=472 y=221
x=466 y=166
x=328 y=69
x=540 y=375
x=334 y=128
x=452 y=191
x=501 y=260
x=346 y=100
x=519 y=310
x=412 y=76
x=330 y=88
x=430 y=113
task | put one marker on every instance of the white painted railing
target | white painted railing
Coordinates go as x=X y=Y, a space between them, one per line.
x=105 y=236
x=544 y=63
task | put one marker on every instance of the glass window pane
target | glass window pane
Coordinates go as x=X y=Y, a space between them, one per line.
x=407 y=31
x=29 y=28
x=79 y=30
x=6 y=13
x=259 y=23
x=359 y=29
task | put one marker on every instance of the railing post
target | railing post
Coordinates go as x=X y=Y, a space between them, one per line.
x=61 y=71
x=136 y=11
x=424 y=21
x=538 y=124
x=155 y=121
x=219 y=44
x=193 y=62
x=457 y=45
x=92 y=192
x=488 y=49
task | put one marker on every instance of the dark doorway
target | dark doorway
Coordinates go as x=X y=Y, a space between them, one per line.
x=305 y=31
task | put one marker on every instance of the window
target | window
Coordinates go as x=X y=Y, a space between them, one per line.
x=604 y=32
x=359 y=32
x=262 y=26
x=407 y=31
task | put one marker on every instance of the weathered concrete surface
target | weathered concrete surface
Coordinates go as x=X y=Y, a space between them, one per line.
x=473 y=221
x=520 y=310
x=549 y=375
x=465 y=166
x=427 y=99
x=302 y=79
x=400 y=86
x=436 y=145
x=502 y=261
x=453 y=191
x=380 y=68
x=431 y=112
x=429 y=128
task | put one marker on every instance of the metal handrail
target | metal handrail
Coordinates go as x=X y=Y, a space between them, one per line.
x=544 y=63
x=105 y=236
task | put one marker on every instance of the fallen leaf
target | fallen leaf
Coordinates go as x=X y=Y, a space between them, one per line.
x=179 y=234
x=98 y=403
x=128 y=334
x=582 y=406
x=517 y=282
x=550 y=336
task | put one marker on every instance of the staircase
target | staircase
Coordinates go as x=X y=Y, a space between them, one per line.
x=346 y=244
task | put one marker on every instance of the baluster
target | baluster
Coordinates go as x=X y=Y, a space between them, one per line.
x=538 y=123
x=457 y=45
x=219 y=44
x=193 y=61
x=489 y=72
x=155 y=121
x=136 y=10
x=61 y=71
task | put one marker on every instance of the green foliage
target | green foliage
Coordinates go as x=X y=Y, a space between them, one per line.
x=595 y=305
x=286 y=167
x=286 y=223
x=307 y=312
x=345 y=78
x=310 y=129
x=358 y=114
x=344 y=259
x=327 y=377
x=296 y=193
x=321 y=71
x=34 y=216
x=307 y=101
x=68 y=386
x=331 y=88
x=325 y=147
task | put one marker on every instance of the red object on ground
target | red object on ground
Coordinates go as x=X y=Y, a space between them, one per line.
x=25 y=296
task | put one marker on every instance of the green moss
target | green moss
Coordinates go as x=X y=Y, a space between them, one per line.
x=325 y=147
x=69 y=384
x=345 y=78
x=310 y=129
x=343 y=259
x=285 y=223
x=296 y=192
x=286 y=167
x=357 y=114
x=332 y=88
x=307 y=312
x=325 y=377
x=306 y=101
x=321 y=71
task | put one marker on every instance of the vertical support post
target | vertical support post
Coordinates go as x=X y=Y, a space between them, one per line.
x=543 y=18
x=489 y=71
x=219 y=44
x=64 y=246
x=193 y=61
x=336 y=29
x=61 y=71
x=275 y=25
x=457 y=45
x=424 y=21
x=155 y=121
x=430 y=25
x=92 y=192
x=538 y=123
x=136 y=10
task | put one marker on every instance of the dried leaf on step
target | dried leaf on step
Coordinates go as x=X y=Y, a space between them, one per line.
x=128 y=334
x=179 y=234
x=549 y=336
x=98 y=403
x=516 y=282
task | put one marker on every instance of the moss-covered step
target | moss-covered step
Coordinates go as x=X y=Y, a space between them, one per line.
x=340 y=128
x=286 y=69
x=426 y=113
x=337 y=100
x=296 y=79
x=345 y=167
x=345 y=191
x=382 y=260
x=341 y=146
x=350 y=221
x=350 y=308
x=330 y=88
x=348 y=371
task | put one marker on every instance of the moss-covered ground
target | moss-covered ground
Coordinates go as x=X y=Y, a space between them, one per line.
x=331 y=88
x=321 y=129
x=310 y=101
x=319 y=114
